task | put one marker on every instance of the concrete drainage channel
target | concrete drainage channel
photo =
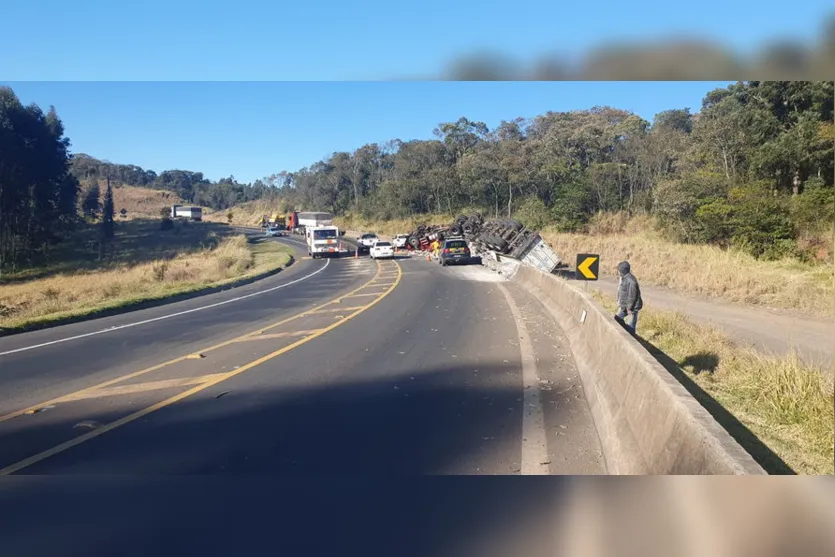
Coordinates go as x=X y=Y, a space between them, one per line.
x=647 y=421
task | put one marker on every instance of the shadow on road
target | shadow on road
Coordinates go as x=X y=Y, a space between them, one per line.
x=339 y=462
x=440 y=421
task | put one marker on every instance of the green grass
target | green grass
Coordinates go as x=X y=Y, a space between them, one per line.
x=786 y=404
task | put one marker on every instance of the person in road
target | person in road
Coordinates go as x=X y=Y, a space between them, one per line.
x=436 y=246
x=629 y=296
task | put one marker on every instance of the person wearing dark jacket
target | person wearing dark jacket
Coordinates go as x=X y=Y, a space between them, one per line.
x=629 y=296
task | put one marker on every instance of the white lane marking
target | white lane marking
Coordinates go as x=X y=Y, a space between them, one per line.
x=534 y=441
x=160 y=318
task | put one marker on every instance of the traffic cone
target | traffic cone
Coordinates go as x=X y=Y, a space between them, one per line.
x=357 y=253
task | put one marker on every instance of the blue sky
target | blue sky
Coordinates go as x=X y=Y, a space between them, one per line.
x=357 y=39
x=254 y=129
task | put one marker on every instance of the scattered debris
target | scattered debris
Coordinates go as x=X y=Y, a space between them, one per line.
x=39 y=410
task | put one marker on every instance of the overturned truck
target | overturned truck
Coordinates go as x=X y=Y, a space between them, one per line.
x=495 y=238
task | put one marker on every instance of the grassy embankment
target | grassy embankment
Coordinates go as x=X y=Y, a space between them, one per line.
x=145 y=263
x=142 y=203
x=786 y=403
x=245 y=214
x=705 y=270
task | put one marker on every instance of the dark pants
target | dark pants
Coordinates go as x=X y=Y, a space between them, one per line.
x=633 y=321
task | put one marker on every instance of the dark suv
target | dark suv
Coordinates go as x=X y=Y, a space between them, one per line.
x=454 y=250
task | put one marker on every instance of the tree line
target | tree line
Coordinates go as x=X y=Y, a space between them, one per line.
x=192 y=187
x=752 y=169
x=38 y=194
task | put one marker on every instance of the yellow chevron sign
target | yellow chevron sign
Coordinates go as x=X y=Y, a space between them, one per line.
x=587 y=266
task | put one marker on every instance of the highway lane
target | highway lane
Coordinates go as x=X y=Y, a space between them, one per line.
x=34 y=375
x=420 y=370
x=326 y=428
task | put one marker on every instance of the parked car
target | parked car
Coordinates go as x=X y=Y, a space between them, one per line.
x=382 y=250
x=454 y=250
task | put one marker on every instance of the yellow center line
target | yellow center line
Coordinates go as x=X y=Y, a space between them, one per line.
x=279 y=335
x=156 y=367
x=11 y=469
x=332 y=310
x=134 y=388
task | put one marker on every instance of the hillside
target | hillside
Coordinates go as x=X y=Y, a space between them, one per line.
x=142 y=202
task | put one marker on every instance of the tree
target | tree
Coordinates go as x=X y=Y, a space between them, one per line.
x=38 y=195
x=91 y=206
x=107 y=223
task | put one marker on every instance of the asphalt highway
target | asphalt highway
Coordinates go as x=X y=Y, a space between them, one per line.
x=335 y=368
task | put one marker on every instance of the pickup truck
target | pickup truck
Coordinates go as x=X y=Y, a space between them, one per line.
x=399 y=241
x=365 y=242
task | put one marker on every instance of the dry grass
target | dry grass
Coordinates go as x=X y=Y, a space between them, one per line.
x=786 y=403
x=142 y=202
x=390 y=227
x=69 y=294
x=702 y=270
x=245 y=214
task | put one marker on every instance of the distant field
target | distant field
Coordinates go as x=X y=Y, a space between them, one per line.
x=787 y=404
x=142 y=202
x=146 y=263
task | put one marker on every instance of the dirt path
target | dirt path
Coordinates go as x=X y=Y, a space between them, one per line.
x=770 y=331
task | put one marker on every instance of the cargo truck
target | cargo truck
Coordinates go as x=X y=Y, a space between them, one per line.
x=323 y=241
x=191 y=213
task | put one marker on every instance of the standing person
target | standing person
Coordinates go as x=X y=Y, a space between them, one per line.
x=629 y=296
x=436 y=246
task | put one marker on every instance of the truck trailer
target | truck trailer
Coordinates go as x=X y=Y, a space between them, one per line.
x=191 y=213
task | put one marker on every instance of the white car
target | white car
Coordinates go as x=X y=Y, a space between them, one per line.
x=382 y=250
x=399 y=241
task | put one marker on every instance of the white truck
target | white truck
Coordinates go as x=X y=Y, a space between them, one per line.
x=323 y=241
x=312 y=219
x=192 y=213
x=365 y=242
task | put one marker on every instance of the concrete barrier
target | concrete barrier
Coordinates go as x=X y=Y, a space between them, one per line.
x=647 y=421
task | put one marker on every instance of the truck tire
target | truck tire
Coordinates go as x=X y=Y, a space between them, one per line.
x=414 y=242
x=455 y=230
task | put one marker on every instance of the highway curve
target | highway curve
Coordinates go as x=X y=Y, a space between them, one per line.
x=334 y=368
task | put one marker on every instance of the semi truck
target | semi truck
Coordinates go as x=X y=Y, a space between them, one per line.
x=298 y=221
x=323 y=241
x=191 y=213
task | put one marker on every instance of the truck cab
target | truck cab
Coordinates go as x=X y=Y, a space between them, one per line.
x=323 y=241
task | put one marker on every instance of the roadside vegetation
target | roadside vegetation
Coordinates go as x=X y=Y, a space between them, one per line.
x=787 y=404
x=142 y=263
